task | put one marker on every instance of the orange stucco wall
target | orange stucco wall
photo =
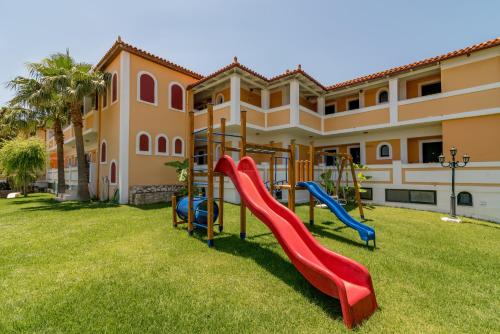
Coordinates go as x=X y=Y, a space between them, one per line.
x=256 y=117
x=371 y=151
x=470 y=75
x=200 y=120
x=341 y=101
x=150 y=169
x=309 y=120
x=374 y=117
x=278 y=117
x=306 y=103
x=371 y=96
x=226 y=92
x=276 y=99
x=477 y=136
x=250 y=97
x=412 y=89
x=413 y=145
x=450 y=105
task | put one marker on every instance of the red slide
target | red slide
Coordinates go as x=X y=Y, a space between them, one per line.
x=332 y=273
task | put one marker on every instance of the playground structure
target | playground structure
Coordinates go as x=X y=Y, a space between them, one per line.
x=297 y=172
x=331 y=273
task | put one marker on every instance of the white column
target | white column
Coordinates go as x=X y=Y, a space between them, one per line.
x=264 y=99
x=235 y=98
x=361 y=96
x=397 y=172
x=124 y=135
x=393 y=100
x=402 y=89
x=362 y=151
x=294 y=102
x=321 y=105
x=404 y=150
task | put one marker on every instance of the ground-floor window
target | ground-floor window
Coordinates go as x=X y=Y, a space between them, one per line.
x=464 y=198
x=330 y=160
x=356 y=154
x=431 y=151
x=410 y=196
x=366 y=194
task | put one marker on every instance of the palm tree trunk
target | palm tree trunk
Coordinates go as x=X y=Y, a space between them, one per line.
x=59 y=137
x=83 y=185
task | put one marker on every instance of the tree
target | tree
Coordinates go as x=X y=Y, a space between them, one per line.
x=16 y=121
x=36 y=102
x=21 y=160
x=73 y=82
x=181 y=168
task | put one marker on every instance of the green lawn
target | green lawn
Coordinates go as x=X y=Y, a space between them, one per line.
x=69 y=267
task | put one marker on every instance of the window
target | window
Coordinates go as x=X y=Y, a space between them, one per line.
x=112 y=172
x=105 y=98
x=201 y=157
x=330 y=160
x=430 y=151
x=147 y=88
x=383 y=96
x=410 y=196
x=176 y=96
x=161 y=145
x=353 y=104
x=430 y=88
x=366 y=193
x=178 y=147
x=384 y=151
x=464 y=198
x=143 y=143
x=114 y=88
x=103 y=152
x=356 y=154
x=219 y=98
x=331 y=109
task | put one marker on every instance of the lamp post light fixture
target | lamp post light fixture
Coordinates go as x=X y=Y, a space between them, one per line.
x=453 y=164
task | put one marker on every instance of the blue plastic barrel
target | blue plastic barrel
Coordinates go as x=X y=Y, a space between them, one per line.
x=200 y=214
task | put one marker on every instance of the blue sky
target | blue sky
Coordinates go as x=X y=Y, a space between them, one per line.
x=333 y=40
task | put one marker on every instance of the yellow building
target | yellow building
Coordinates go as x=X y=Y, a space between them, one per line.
x=396 y=122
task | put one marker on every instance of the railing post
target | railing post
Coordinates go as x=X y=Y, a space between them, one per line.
x=243 y=132
x=191 y=172
x=221 y=175
x=210 y=177
x=311 y=178
x=174 y=213
x=291 y=165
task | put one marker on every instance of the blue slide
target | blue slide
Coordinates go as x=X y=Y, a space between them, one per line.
x=366 y=233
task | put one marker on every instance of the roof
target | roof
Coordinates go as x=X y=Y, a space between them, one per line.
x=119 y=46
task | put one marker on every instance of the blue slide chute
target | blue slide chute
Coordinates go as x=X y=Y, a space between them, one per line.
x=366 y=233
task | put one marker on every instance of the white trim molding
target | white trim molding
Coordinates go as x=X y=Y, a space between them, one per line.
x=139 y=74
x=380 y=91
x=174 y=154
x=352 y=99
x=124 y=134
x=170 y=96
x=217 y=98
x=117 y=88
x=379 y=146
x=158 y=136
x=138 y=143
x=100 y=152
x=117 y=181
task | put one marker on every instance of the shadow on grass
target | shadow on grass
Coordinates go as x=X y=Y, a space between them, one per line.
x=326 y=232
x=490 y=225
x=51 y=204
x=279 y=267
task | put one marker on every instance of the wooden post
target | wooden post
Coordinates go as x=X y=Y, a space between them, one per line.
x=210 y=177
x=311 y=178
x=356 y=189
x=339 y=179
x=271 y=172
x=243 y=132
x=221 y=176
x=191 y=172
x=291 y=165
x=174 y=212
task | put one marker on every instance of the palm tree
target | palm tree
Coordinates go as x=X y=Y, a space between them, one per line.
x=35 y=102
x=17 y=121
x=74 y=81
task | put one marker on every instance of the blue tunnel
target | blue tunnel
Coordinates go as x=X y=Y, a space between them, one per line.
x=200 y=214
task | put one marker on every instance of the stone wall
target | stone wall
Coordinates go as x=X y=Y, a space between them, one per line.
x=139 y=195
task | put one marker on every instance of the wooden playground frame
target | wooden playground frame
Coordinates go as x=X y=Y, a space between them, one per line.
x=297 y=171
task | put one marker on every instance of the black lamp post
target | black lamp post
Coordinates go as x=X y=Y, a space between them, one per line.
x=453 y=164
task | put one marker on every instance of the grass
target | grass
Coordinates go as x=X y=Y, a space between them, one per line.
x=74 y=268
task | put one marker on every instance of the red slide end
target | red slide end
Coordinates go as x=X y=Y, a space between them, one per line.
x=331 y=273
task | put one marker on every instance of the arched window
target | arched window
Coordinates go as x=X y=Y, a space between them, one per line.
x=143 y=143
x=382 y=96
x=103 y=152
x=146 y=88
x=219 y=99
x=464 y=198
x=384 y=151
x=112 y=172
x=114 y=88
x=105 y=98
x=178 y=147
x=176 y=96
x=161 y=144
